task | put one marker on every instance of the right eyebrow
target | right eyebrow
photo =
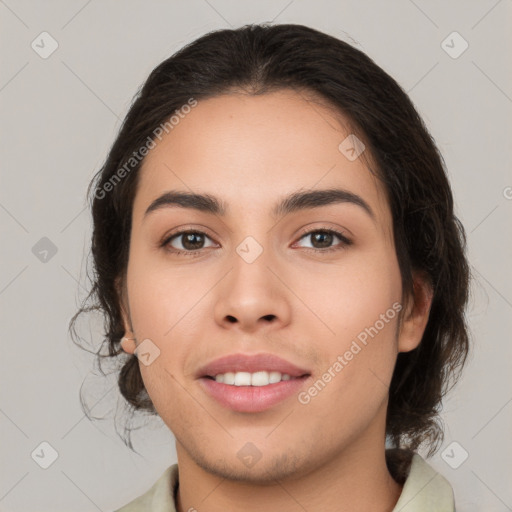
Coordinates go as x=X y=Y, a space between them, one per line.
x=202 y=202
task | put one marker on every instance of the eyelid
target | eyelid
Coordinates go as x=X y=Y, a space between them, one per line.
x=195 y=228
x=327 y=225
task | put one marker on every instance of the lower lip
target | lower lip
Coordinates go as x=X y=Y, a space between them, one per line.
x=252 y=398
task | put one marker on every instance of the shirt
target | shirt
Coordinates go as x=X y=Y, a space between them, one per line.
x=424 y=489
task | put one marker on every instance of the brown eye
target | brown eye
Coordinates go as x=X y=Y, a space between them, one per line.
x=322 y=240
x=186 y=241
x=192 y=241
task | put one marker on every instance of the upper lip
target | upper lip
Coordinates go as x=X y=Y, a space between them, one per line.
x=250 y=363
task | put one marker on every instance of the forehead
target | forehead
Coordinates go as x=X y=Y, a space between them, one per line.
x=250 y=150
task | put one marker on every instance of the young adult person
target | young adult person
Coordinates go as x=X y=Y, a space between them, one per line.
x=283 y=277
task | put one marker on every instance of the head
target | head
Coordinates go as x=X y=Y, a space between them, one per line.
x=326 y=228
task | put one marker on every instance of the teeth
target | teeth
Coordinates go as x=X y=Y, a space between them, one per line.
x=262 y=378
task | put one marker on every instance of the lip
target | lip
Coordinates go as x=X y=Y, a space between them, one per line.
x=250 y=363
x=251 y=398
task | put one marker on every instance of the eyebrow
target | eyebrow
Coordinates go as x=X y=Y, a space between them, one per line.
x=294 y=202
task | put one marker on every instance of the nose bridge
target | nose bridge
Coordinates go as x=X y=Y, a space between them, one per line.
x=251 y=261
x=251 y=291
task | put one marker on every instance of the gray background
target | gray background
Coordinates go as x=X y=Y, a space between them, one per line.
x=59 y=116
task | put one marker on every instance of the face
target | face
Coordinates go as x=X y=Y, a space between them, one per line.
x=316 y=284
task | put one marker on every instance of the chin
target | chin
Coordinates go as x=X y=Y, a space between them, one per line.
x=253 y=466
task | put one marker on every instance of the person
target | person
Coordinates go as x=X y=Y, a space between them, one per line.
x=283 y=277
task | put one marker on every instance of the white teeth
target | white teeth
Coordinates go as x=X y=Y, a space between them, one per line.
x=262 y=378
x=274 y=377
x=242 y=379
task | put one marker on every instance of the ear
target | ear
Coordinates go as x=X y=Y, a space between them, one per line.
x=415 y=317
x=128 y=341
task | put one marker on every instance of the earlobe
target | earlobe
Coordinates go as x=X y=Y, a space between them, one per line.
x=415 y=318
x=128 y=344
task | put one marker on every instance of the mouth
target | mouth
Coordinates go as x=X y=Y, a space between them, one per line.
x=252 y=399
x=252 y=383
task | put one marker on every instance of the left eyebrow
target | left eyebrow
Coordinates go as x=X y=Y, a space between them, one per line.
x=318 y=198
x=291 y=203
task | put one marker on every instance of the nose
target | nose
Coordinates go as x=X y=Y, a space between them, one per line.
x=253 y=295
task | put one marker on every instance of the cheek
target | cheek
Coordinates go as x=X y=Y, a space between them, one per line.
x=162 y=298
x=359 y=306
x=352 y=294
x=166 y=308
x=352 y=382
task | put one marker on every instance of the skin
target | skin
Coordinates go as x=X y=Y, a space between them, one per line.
x=251 y=151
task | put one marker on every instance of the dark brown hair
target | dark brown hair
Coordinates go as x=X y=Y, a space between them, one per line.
x=428 y=236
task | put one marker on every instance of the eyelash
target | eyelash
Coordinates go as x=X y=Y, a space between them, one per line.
x=193 y=253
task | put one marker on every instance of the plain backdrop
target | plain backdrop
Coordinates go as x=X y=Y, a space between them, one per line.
x=60 y=114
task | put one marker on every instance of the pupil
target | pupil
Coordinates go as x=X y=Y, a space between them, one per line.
x=326 y=238
x=188 y=241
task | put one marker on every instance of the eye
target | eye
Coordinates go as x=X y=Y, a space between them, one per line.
x=322 y=239
x=188 y=242
x=191 y=242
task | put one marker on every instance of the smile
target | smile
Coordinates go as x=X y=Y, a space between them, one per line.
x=260 y=378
